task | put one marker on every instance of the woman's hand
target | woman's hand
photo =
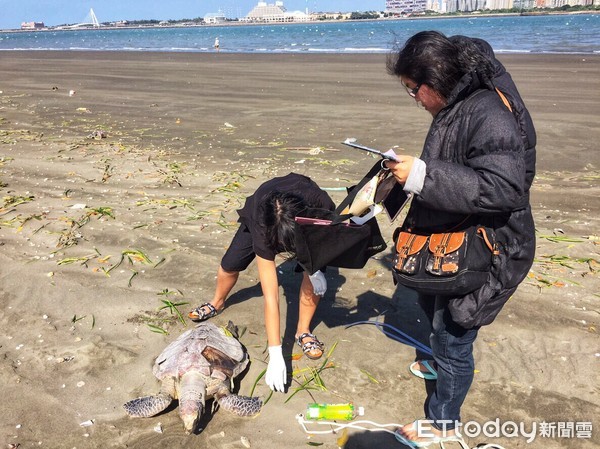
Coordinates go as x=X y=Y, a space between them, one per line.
x=276 y=374
x=401 y=169
x=319 y=283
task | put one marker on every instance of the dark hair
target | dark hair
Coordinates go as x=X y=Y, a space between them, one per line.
x=279 y=212
x=429 y=57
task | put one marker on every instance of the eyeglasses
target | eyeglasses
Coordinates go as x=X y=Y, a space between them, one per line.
x=414 y=91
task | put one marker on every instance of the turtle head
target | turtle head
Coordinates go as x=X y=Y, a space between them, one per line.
x=192 y=391
x=190 y=412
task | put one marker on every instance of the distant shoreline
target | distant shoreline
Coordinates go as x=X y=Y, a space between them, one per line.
x=229 y=24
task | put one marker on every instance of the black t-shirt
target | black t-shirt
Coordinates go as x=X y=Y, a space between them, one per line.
x=300 y=185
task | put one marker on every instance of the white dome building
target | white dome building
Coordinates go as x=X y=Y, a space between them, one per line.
x=275 y=12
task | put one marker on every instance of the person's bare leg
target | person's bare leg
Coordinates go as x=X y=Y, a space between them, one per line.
x=307 y=308
x=226 y=280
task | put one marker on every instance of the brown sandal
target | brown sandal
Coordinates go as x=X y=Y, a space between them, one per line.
x=312 y=345
x=198 y=314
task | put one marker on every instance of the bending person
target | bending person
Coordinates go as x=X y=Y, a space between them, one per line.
x=267 y=223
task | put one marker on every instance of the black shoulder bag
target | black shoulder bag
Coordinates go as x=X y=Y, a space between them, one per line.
x=329 y=240
x=451 y=263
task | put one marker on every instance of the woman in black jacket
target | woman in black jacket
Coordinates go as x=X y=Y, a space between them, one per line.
x=477 y=163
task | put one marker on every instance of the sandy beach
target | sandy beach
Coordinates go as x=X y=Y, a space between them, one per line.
x=120 y=176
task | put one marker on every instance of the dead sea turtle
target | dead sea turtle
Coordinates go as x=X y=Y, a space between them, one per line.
x=198 y=365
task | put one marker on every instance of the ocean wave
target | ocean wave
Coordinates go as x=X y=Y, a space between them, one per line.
x=515 y=34
x=366 y=50
x=507 y=50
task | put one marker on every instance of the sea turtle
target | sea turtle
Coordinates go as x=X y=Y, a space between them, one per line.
x=198 y=365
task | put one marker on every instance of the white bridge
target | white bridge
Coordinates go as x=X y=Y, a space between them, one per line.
x=90 y=21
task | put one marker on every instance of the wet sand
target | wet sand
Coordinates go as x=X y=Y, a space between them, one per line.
x=152 y=154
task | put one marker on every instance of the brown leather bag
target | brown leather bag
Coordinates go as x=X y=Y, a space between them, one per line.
x=451 y=263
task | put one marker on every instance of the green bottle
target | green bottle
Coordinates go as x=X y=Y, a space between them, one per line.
x=336 y=412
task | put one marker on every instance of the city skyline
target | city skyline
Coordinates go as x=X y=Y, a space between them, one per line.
x=58 y=12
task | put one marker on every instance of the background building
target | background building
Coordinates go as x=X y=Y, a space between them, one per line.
x=276 y=12
x=215 y=18
x=405 y=6
x=32 y=25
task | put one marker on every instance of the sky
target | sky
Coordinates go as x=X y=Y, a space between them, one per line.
x=58 y=12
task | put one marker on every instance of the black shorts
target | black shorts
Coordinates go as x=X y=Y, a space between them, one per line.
x=240 y=252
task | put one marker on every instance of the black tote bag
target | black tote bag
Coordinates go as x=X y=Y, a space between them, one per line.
x=324 y=238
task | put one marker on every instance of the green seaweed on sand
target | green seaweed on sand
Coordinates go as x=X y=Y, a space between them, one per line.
x=75 y=319
x=136 y=255
x=133 y=255
x=233 y=180
x=369 y=376
x=71 y=236
x=198 y=215
x=256 y=381
x=20 y=220
x=172 y=306
x=169 y=203
x=224 y=223
x=103 y=211
x=83 y=260
x=311 y=378
x=330 y=163
x=4 y=160
x=560 y=239
x=568 y=262
x=11 y=137
x=156 y=321
x=171 y=173
x=157 y=329
x=14 y=201
x=107 y=170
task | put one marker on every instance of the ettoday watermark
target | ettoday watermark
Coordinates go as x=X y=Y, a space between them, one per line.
x=508 y=429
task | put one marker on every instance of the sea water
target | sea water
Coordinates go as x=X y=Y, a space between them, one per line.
x=576 y=33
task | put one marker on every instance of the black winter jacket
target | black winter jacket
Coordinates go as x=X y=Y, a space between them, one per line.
x=480 y=163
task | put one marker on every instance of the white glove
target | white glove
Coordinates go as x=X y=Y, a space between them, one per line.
x=276 y=370
x=319 y=283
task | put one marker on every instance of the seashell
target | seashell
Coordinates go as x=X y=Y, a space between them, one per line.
x=245 y=441
x=88 y=423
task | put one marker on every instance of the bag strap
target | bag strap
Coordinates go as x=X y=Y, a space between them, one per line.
x=352 y=194
x=504 y=99
x=492 y=247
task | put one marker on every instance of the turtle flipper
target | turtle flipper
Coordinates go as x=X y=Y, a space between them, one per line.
x=240 y=405
x=147 y=406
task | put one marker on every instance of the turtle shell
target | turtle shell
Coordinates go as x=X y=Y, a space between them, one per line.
x=207 y=349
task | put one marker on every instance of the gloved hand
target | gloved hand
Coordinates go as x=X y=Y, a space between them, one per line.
x=319 y=283
x=276 y=370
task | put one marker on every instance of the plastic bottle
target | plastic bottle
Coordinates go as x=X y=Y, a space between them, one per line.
x=342 y=412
